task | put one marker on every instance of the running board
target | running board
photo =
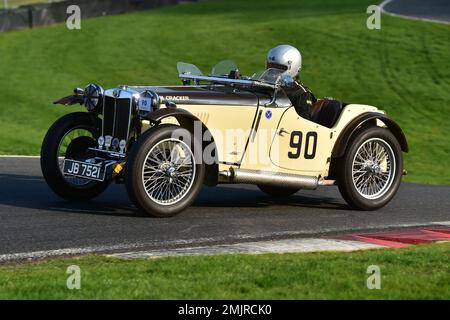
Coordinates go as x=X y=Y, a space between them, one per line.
x=270 y=178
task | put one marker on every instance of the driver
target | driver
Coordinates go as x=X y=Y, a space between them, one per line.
x=289 y=59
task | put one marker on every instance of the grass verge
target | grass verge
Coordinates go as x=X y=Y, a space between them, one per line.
x=418 y=272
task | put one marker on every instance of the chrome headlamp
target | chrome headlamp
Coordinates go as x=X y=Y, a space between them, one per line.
x=148 y=101
x=93 y=95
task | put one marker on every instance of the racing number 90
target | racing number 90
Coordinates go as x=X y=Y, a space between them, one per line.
x=296 y=143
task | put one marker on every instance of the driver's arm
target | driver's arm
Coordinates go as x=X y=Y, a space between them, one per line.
x=302 y=99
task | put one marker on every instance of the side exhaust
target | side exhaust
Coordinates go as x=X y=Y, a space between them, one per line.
x=270 y=178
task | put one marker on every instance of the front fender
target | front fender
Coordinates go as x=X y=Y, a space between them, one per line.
x=177 y=113
x=187 y=120
x=70 y=100
x=355 y=124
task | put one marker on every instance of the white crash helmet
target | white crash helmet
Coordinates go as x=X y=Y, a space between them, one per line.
x=285 y=57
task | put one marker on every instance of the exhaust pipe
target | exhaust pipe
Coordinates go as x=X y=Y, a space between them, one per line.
x=270 y=178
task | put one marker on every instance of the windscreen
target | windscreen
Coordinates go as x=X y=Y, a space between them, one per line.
x=223 y=68
x=188 y=68
x=269 y=75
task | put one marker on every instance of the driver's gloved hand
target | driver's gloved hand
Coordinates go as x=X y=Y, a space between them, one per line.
x=302 y=99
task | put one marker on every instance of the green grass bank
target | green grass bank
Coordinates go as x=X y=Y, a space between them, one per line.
x=404 y=68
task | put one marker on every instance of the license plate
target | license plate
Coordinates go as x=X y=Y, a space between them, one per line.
x=84 y=170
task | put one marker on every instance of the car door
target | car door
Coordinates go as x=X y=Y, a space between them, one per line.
x=300 y=145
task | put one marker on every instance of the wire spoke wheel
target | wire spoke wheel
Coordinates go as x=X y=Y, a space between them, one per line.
x=168 y=171
x=62 y=153
x=373 y=168
x=70 y=137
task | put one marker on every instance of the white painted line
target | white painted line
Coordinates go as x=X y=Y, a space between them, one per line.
x=43 y=254
x=33 y=255
x=386 y=2
x=259 y=247
x=19 y=156
x=195 y=243
x=66 y=252
x=442 y=223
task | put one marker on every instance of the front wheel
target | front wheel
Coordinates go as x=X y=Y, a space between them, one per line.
x=163 y=177
x=70 y=138
x=371 y=169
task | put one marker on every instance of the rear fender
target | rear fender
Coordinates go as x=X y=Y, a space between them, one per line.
x=366 y=118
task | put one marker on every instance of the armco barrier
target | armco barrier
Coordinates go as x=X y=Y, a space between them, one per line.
x=55 y=12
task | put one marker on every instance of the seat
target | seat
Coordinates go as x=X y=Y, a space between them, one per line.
x=326 y=112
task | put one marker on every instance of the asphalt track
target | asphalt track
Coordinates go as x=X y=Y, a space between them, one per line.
x=431 y=10
x=34 y=221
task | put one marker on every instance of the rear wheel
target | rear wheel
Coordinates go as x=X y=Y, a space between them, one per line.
x=277 y=191
x=69 y=138
x=371 y=169
x=162 y=175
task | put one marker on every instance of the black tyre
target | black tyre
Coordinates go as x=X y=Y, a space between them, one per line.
x=163 y=176
x=371 y=169
x=278 y=192
x=70 y=137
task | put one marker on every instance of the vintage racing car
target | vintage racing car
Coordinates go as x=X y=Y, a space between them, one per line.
x=165 y=142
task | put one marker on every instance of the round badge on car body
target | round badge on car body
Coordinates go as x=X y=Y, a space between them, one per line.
x=116 y=93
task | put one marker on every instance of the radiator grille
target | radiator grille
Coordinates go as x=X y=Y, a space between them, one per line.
x=116 y=117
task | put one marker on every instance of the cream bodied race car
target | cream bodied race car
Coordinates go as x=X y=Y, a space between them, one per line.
x=165 y=142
